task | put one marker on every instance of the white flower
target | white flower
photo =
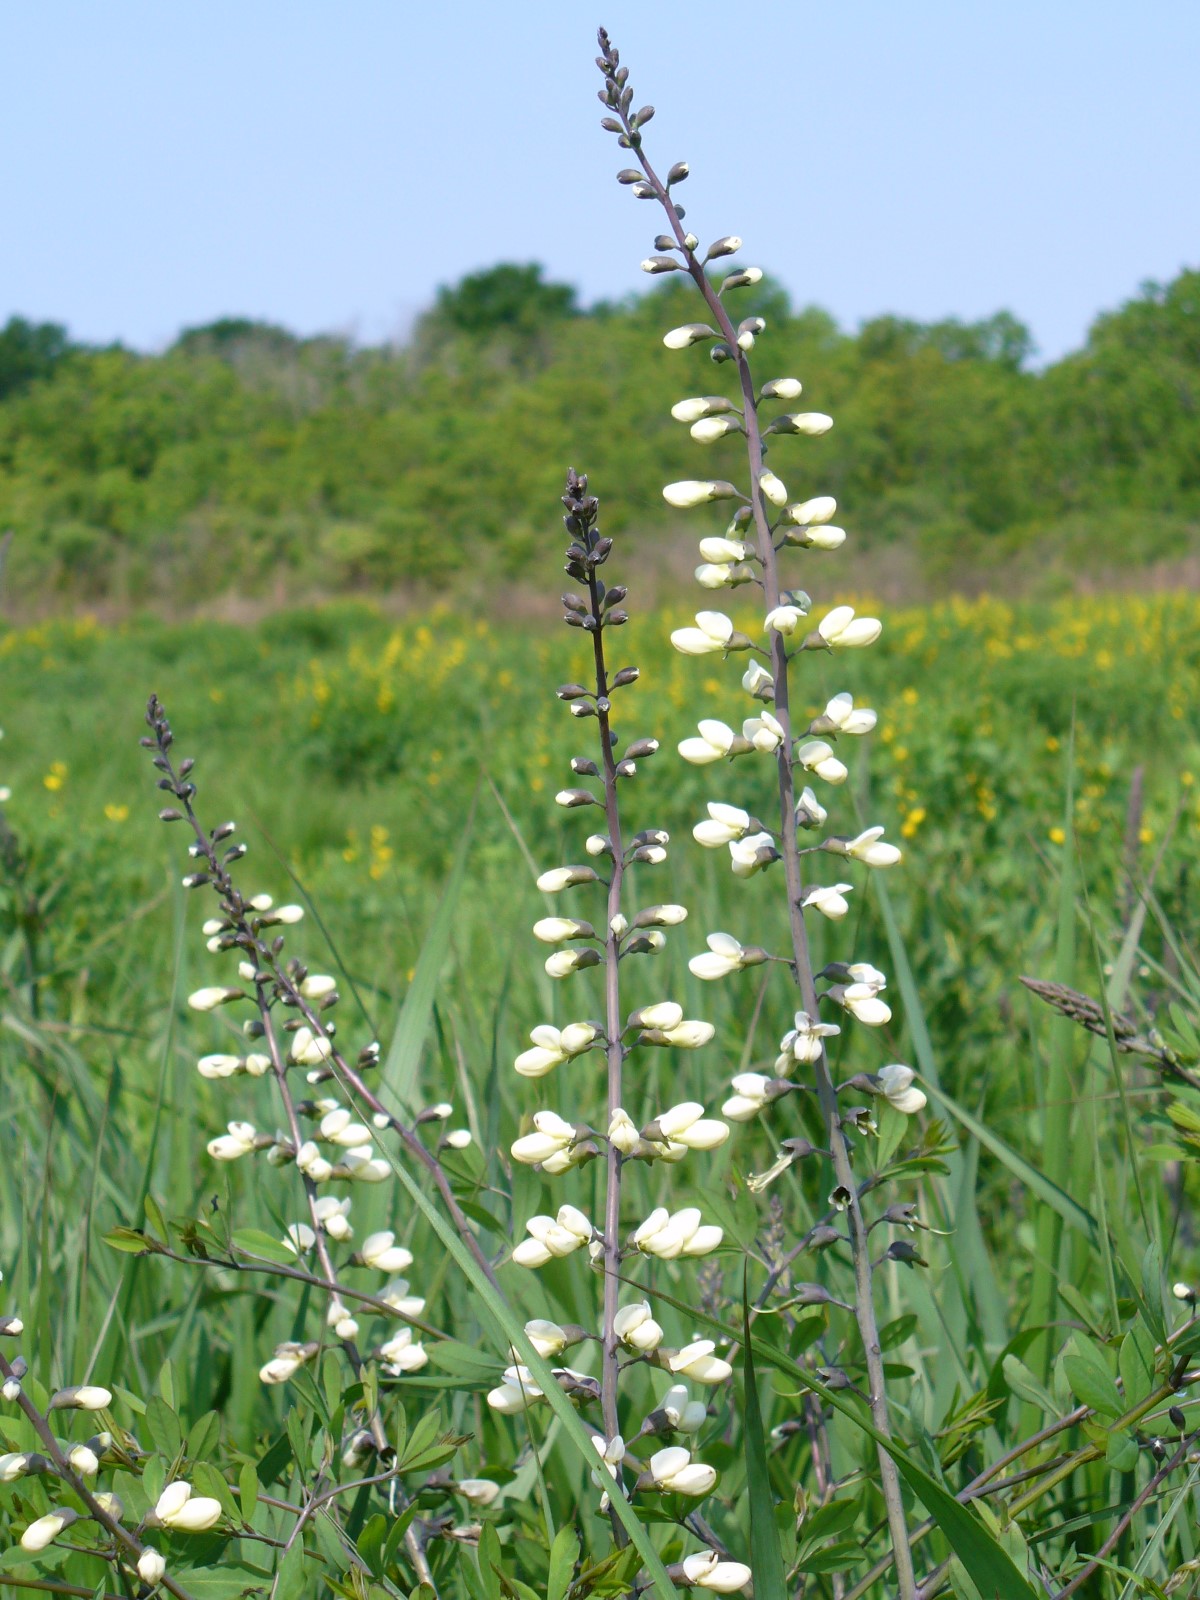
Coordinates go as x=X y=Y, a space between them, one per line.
x=723 y=552
x=821 y=508
x=784 y=619
x=709 y=405
x=82 y=1397
x=334 y=1216
x=516 y=1394
x=312 y=1163
x=664 y=916
x=711 y=634
x=46 y=1529
x=689 y=333
x=807 y=1039
x=866 y=847
x=684 y=1414
x=218 y=1066
x=810 y=813
x=239 y=1141
x=829 y=899
x=814 y=755
x=553 y=930
x=178 y=1508
x=895 y=1084
x=862 y=1000
x=662 y=1014
x=547 y=1338
x=813 y=423
x=635 y=1327
x=564 y=962
x=560 y=878
x=258 y=1065
x=309 y=1049
x=697 y=1361
x=459 y=1138
x=725 y=823
x=713 y=744
x=706 y=1570
x=151 y=1567
x=1183 y=1291
x=380 y=1250
x=764 y=732
x=285 y=1363
x=13 y=1465
x=772 y=488
x=551 y=1135
x=757 y=681
x=403 y=1354
x=397 y=1296
x=687 y=1125
x=339 y=1127
x=622 y=1132
x=709 y=429
x=300 y=1238
x=725 y=955
x=85 y=1460
x=670 y=1234
x=691 y=492
x=674 y=1471
x=360 y=1167
x=752 y=854
x=842 y=716
x=318 y=986
x=842 y=630
x=553 y=1046
x=689 y=1035
x=552 y=1237
x=711 y=576
x=479 y=1491
x=209 y=999
x=751 y=1092
x=781 y=389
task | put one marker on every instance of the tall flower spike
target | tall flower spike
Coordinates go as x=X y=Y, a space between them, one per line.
x=771 y=513
x=557 y=1143
x=328 y=1142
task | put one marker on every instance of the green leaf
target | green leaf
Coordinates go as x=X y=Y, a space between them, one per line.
x=1055 y=1197
x=203 y=1437
x=154 y=1216
x=163 y=1427
x=564 y=1553
x=248 y=1491
x=254 y=1242
x=1091 y=1382
x=371 y=1542
x=1121 y=1452
x=224 y=1582
x=1026 y=1387
x=130 y=1240
x=1135 y=1363
x=289 y=1576
x=404 y=1053
x=766 y=1557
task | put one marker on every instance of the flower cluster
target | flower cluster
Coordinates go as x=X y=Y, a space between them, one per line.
x=556 y=1145
x=764 y=523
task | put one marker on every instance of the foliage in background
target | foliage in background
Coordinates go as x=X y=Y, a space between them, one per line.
x=244 y=460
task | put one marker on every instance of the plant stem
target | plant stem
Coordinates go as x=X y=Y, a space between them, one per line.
x=864 y=1306
x=613 y=1025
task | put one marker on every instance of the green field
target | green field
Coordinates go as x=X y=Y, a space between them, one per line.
x=363 y=758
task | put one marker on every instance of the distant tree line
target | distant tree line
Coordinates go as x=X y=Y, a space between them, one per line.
x=244 y=458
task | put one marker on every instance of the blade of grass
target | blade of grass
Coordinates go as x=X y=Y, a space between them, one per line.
x=766 y=1557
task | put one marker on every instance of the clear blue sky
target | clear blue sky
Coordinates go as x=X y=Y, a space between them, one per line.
x=327 y=163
